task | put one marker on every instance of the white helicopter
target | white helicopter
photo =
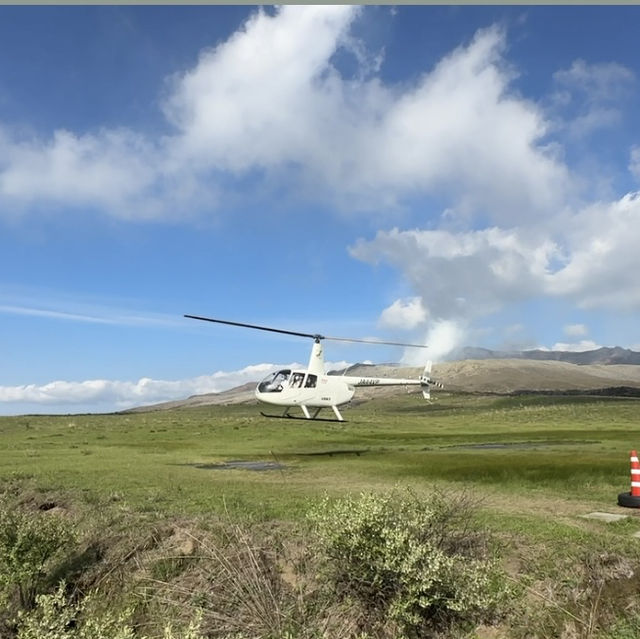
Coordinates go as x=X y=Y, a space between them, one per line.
x=312 y=389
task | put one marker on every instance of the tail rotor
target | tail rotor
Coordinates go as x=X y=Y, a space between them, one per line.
x=426 y=382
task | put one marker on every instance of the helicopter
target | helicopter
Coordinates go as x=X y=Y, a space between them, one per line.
x=312 y=389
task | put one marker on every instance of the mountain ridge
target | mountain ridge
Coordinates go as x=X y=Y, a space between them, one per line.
x=602 y=355
x=487 y=372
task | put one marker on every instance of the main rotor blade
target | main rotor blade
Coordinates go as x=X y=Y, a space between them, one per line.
x=315 y=336
x=259 y=328
x=374 y=341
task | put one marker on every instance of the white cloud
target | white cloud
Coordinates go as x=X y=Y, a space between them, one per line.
x=116 y=395
x=269 y=102
x=462 y=275
x=602 y=257
x=593 y=93
x=601 y=82
x=442 y=337
x=591 y=260
x=575 y=330
x=577 y=347
x=456 y=129
x=104 y=170
x=404 y=314
x=266 y=96
x=101 y=395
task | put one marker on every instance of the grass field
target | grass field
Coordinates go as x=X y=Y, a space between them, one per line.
x=518 y=448
x=533 y=465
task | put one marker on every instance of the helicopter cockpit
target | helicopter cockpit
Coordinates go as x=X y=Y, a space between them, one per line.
x=275 y=382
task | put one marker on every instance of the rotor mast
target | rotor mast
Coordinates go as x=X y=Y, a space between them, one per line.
x=316 y=359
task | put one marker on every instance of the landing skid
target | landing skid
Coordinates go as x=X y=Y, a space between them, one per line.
x=309 y=416
x=310 y=419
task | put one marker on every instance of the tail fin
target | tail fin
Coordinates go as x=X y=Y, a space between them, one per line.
x=426 y=382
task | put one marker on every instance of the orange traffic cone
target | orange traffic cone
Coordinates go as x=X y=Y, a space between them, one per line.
x=632 y=498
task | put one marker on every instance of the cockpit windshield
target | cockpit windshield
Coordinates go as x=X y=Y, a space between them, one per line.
x=275 y=382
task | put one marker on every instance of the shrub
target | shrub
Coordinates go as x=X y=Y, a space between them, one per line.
x=29 y=542
x=56 y=617
x=410 y=562
x=623 y=629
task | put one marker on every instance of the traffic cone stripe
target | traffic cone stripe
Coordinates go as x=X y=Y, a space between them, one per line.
x=632 y=498
x=635 y=471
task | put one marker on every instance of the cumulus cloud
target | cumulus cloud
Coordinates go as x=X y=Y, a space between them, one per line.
x=454 y=130
x=576 y=347
x=264 y=97
x=105 y=170
x=463 y=274
x=115 y=395
x=602 y=260
x=591 y=260
x=404 y=314
x=101 y=395
x=270 y=103
x=121 y=394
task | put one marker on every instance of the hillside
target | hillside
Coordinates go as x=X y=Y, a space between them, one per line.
x=471 y=375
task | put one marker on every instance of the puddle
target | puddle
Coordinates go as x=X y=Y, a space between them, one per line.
x=240 y=465
x=331 y=453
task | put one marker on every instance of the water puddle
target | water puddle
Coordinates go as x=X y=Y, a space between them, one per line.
x=236 y=464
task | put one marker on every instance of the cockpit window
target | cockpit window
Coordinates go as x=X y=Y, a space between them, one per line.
x=275 y=382
x=311 y=382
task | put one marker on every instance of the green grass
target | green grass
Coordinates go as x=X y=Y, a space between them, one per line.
x=570 y=448
x=530 y=465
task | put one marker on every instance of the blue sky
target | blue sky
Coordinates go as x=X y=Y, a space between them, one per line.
x=450 y=175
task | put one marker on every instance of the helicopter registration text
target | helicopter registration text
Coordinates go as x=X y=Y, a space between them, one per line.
x=368 y=381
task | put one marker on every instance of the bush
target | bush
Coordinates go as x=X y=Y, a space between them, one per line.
x=412 y=563
x=29 y=543
x=56 y=617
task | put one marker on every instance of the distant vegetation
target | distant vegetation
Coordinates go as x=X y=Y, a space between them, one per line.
x=456 y=519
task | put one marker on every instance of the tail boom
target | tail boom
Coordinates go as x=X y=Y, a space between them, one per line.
x=424 y=381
